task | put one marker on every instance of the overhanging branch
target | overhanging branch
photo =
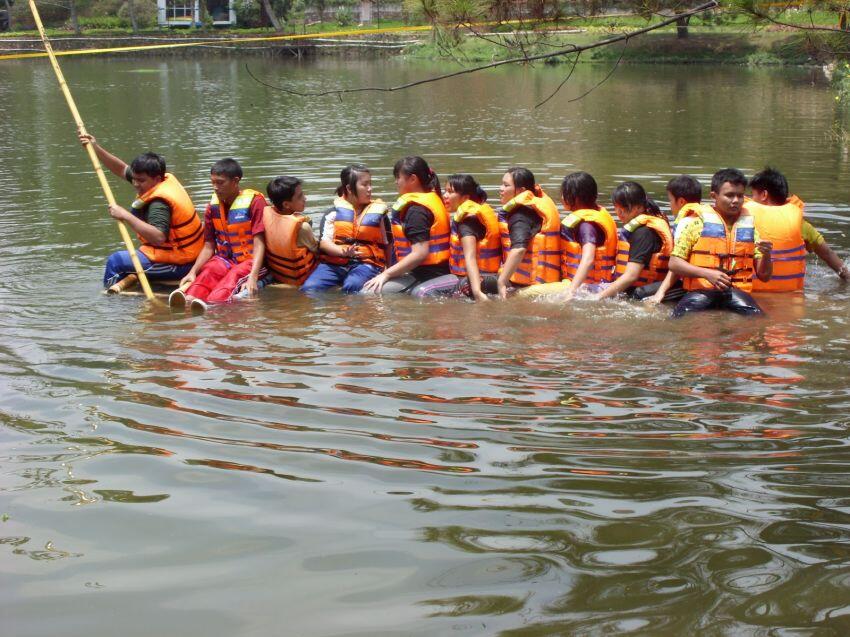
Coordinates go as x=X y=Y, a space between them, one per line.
x=625 y=37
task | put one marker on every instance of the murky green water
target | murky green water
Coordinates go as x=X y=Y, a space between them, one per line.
x=358 y=466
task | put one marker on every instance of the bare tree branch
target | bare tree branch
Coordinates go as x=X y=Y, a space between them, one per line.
x=754 y=12
x=561 y=85
x=607 y=77
x=625 y=37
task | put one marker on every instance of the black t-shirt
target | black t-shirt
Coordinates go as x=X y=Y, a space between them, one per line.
x=523 y=224
x=471 y=227
x=417 y=224
x=417 y=228
x=643 y=243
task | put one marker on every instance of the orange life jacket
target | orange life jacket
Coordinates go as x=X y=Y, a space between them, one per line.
x=186 y=234
x=286 y=260
x=731 y=250
x=365 y=231
x=489 y=249
x=782 y=225
x=602 y=270
x=656 y=270
x=438 y=244
x=541 y=262
x=233 y=238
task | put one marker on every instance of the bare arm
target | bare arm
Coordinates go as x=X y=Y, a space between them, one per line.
x=334 y=250
x=515 y=256
x=588 y=254
x=764 y=265
x=259 y=256
x=470 y=255
x=665 y=286
x=624 y=282
x=418 y=253
x=831 y=259
x=718 y=279
x=114 y=164
x=205 y=255
x=146 y=231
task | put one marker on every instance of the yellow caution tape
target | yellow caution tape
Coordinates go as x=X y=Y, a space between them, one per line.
x=272 y=38
x=269 y=38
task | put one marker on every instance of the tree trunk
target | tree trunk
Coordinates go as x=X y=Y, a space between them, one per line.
x=75 y=23
x=8 y=13
x=267 y=7
x=131 y=9
x=682 y=27
x=203 y=12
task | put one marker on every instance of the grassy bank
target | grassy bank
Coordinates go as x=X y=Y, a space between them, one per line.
x=705 y=45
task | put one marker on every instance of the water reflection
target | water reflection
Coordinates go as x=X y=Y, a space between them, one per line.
x=386 y=466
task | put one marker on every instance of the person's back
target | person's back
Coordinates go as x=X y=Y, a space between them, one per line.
x=780 y=219
x=589 y=235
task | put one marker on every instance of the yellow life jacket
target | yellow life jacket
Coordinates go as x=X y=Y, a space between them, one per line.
x=783 y=226
x=656 y=270
x=720 y=248
x=689 y=210
x=602 y=270
x=365 y=231
x=541 y=262
x=186 y=234
x=286 y=260
x=438 y=244
x=488 y=250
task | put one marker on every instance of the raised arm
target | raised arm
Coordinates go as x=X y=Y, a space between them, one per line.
x=114 y=164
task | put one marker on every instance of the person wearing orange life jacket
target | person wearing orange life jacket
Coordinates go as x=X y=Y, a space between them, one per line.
x=779 y=218
x=355 y=236
x=531 y=234
x=684 y=194
x=720 y=251
x=232 y=220
x=589 y=236
x=420 y=225
x=645 y=242
x=284 y=244
x=475 y=244
x=162 y=216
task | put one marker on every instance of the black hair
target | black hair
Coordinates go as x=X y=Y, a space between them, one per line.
x=466 y=185
x=580 y=188
x=348 y=178
x=631 y=193
x=773 y=182
x=727 y=175
x=686 y=187
x=415 y=165
x=149 y=164
x=282 y=189
x=523 y=177
x=228 y=167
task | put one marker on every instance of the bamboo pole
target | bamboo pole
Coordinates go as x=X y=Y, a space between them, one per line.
x=81 y=129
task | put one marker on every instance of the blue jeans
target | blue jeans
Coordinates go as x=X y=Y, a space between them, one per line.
x=119 y=265
x=351 y=278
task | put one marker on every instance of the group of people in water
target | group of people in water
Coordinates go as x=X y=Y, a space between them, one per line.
x=431 y=242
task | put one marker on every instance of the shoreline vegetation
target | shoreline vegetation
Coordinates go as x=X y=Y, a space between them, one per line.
x=806 y=38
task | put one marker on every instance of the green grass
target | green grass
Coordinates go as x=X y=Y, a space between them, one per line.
x=113 y=26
